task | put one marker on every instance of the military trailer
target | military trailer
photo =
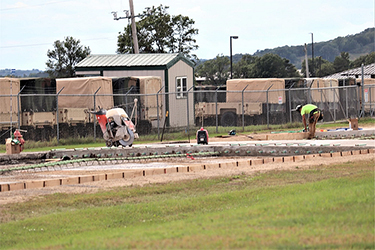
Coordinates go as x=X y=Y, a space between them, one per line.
x=253 y=94
x=9 y=87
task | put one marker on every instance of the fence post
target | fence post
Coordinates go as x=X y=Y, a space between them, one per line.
x=187 y=103
x=11 y=109
x=321 y=96
x=346 y=102
x=157 y=110
x=309 y=92
x=370 y=90
x=334 y=101
x=243 y=111
x=95 y=115
x=358 y=100
x=290 y=103
x=126 y=100
x=18 y=107
x=363 y=93
x=268 y=111
x=217 y=131
x=57 y=116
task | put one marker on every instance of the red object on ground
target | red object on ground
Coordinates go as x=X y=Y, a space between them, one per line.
x=17 y=136
x=190 y=156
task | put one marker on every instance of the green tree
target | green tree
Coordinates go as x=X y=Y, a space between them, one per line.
x=271 y=65
x=159 y=32
x=243 y=69
x=366 y=60
x=342 y=62
x=65 y=55
x=326 y=69
x=216 y=71
x=322 y=67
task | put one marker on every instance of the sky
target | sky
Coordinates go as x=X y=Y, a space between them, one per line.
x=28 y=28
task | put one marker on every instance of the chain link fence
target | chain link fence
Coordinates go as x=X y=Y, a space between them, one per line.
x=45 y=115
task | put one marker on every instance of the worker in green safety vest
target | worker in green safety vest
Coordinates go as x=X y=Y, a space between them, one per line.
x=315 y=115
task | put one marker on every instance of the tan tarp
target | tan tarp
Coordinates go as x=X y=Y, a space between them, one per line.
x=84 y=86
x=324 y=95
x=276 y=93
x=366 y=81
x=9 y=86
x=150 y=85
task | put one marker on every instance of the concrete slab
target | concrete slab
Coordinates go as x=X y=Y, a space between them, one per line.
x=70 y=181
x=210 y=166
x=34 y=184
x=345 y=133
x=52 y=183
x=182 y=169
x=243 y=163
x=228 y=165
x=196 y=167
x=256 y=161
x=16 y=186
x=117 y=175
x=86 y=178
x=153 y=171
x=133 y=173
x=98 y=177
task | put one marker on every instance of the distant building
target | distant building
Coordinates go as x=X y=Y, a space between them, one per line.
x=369 y=72
x=353 y=76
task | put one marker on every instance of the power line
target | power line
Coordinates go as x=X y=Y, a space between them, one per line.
x=29 y=6
x=24 y=45
x=42 y=44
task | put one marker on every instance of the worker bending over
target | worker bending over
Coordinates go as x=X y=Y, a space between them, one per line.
x=314 y=114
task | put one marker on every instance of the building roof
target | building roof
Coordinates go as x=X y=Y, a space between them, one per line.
x=132 y=60
x=368 y=72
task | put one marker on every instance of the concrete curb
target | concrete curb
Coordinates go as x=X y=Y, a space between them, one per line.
x=13 y=186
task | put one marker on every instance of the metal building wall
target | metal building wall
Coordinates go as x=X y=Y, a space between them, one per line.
x=178 y=106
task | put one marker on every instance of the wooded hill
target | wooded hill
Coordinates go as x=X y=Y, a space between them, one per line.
x=356 y=45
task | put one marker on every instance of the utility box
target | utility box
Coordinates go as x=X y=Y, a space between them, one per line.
x=353 y=123
x=12 y=148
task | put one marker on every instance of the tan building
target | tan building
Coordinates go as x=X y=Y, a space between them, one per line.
x=175 y=70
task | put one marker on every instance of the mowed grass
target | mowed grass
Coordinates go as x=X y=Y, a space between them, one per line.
x=324 y=207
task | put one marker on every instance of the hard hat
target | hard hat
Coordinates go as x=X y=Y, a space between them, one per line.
x=297 y=108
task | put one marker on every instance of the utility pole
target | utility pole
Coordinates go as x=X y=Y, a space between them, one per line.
x=312 y=55
x=134 y=28
x=231 y=70
x=307 y=63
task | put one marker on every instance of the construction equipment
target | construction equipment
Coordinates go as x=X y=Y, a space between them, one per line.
x=202 y=136
x=117 y=127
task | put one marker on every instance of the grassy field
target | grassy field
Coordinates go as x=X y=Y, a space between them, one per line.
x=324 y=207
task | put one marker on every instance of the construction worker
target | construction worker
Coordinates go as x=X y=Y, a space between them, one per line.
x=314 y=114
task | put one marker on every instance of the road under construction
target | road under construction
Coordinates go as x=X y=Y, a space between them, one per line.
x=28 y=170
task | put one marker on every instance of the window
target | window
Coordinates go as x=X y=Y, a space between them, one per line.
x=181 y=87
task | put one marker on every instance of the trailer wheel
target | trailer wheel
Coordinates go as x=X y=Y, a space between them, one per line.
x=228 y=119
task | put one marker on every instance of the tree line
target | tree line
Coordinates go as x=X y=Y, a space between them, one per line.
x=357 y=44
x=160 y=32
x=217 y=70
